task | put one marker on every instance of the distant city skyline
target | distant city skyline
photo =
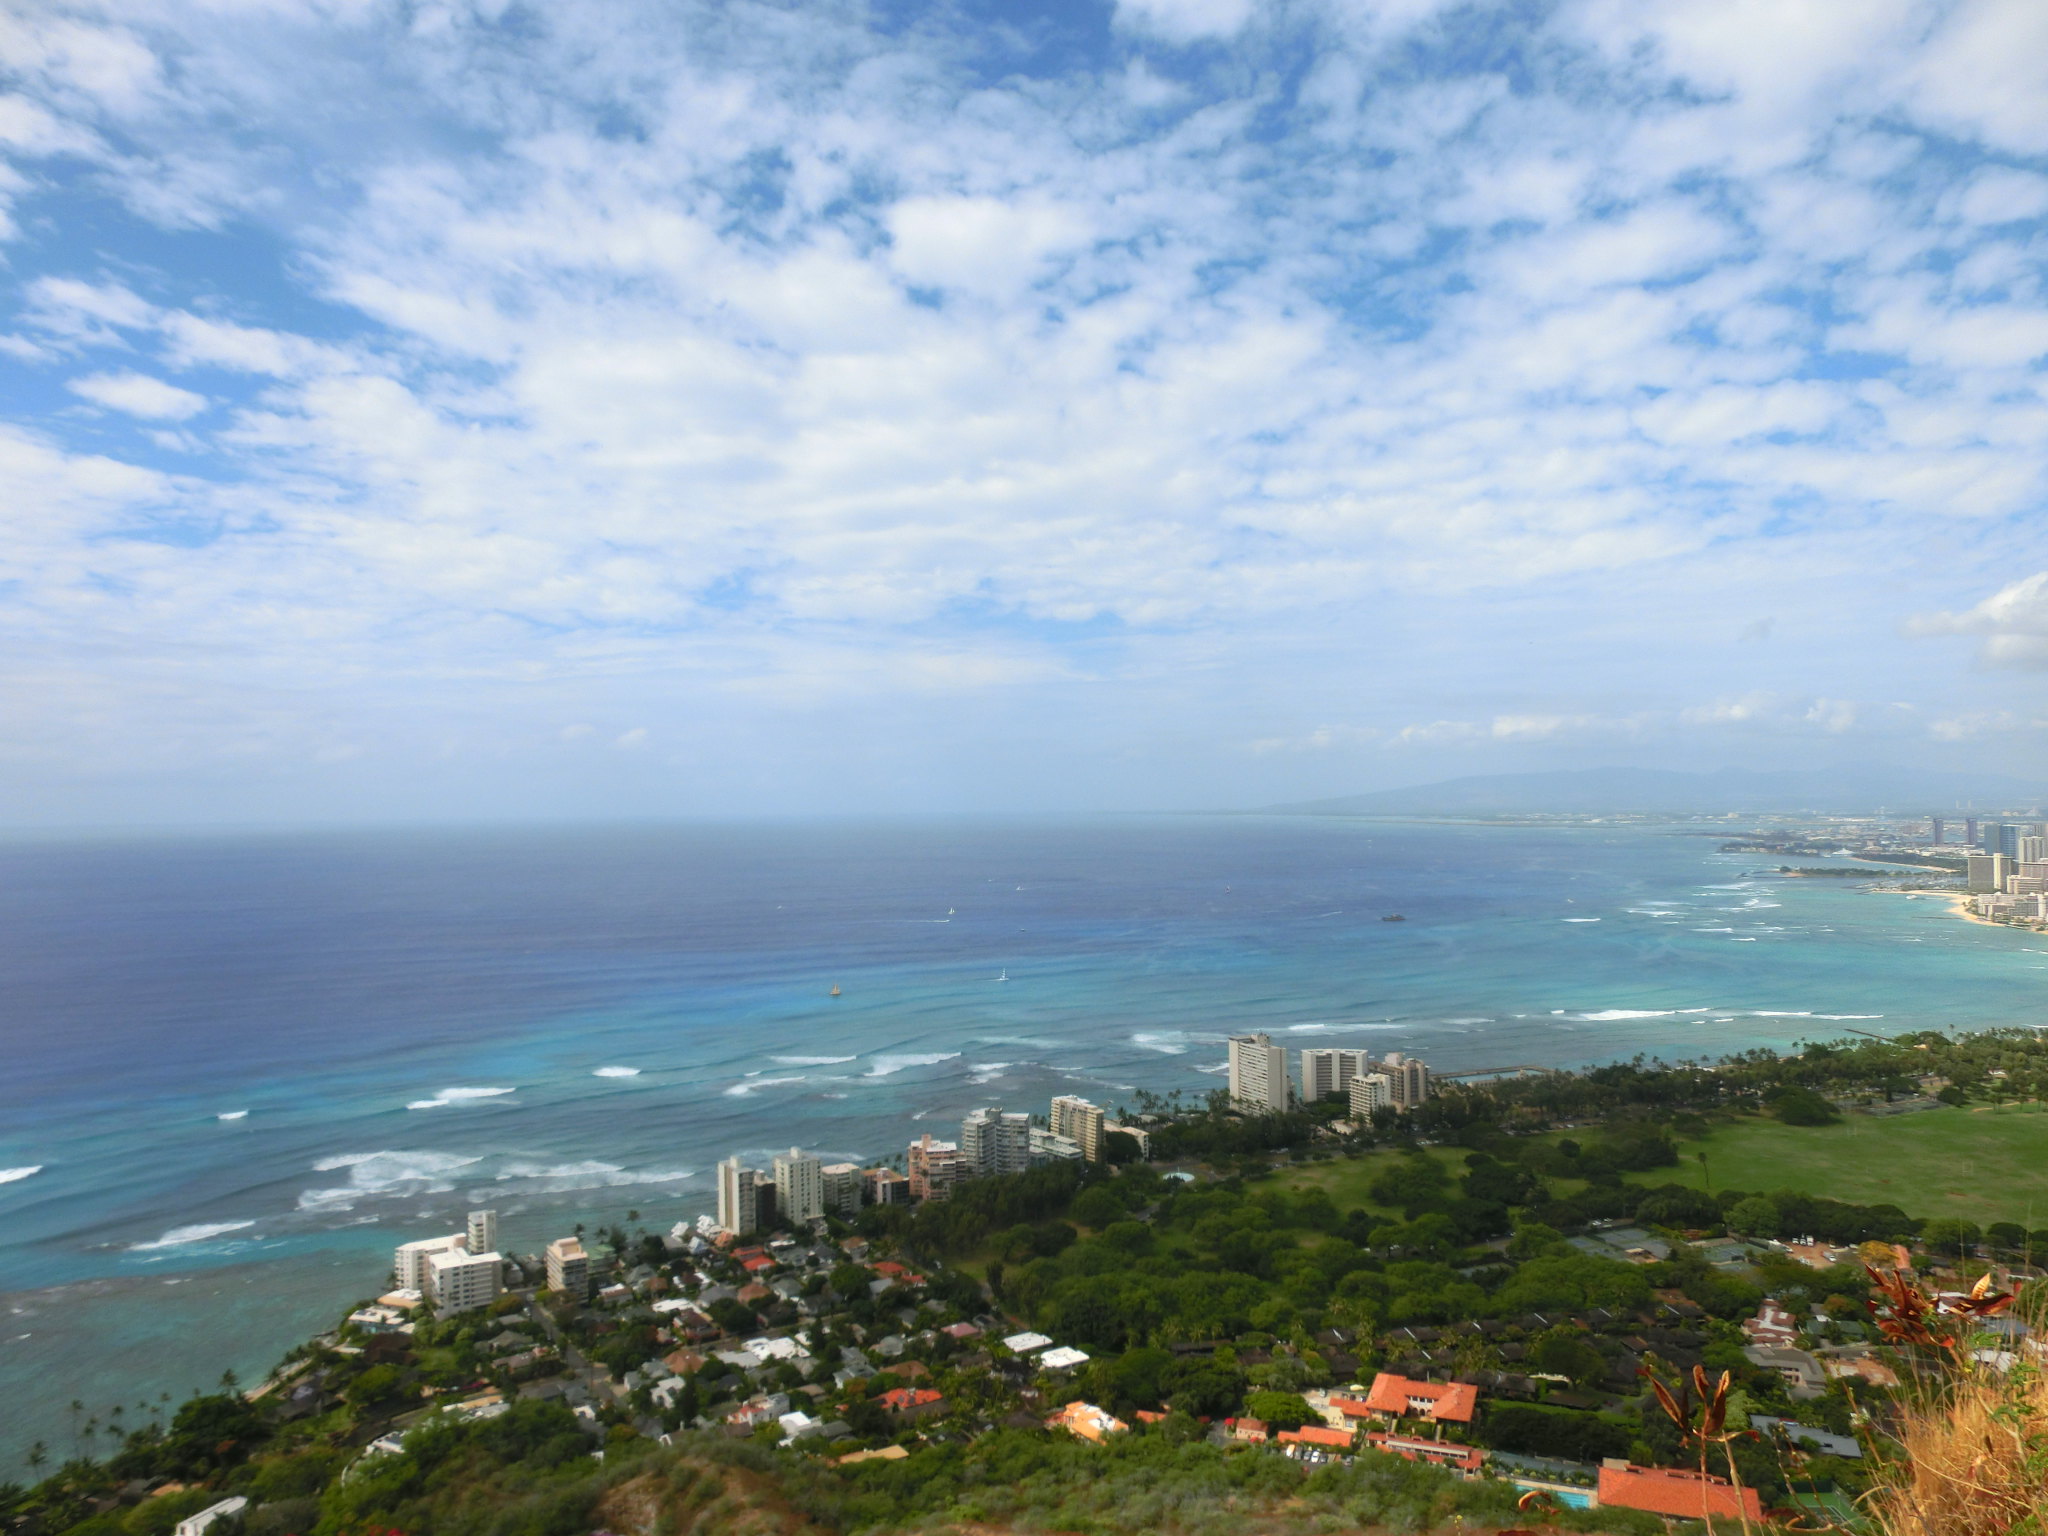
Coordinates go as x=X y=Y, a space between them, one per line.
x=673 y=409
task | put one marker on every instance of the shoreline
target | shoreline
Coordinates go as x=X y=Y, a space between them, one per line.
x=1957 y=902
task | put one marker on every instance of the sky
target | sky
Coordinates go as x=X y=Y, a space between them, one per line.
x=439 y=410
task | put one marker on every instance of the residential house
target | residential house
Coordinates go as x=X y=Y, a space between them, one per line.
x=1393 y=1398
x=1438 y=1453
x=912 y=1403
x=1675 y=1493
x=1088 y=1421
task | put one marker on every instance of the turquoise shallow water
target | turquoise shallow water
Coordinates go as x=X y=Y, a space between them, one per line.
x=568 y=1024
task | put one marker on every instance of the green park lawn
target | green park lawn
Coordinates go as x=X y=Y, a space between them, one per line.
x=1345 y=1178
x=1982 y=1165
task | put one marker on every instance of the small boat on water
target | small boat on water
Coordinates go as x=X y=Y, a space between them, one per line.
x=1006 y=974
x=1393 y=917
x=835 y=989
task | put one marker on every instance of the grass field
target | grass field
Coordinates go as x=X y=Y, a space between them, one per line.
x=1345 y=1178
x=1982 y=1165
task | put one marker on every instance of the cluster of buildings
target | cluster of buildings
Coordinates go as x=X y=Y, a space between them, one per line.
x=456 y=1273
x=464 y=1270
x=1259 y=1081
x=2009 y=876
x=798 y=1188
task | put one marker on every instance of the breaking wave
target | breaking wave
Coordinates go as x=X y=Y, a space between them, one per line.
x=372 y=1174
x=448 y=1096
x=178 y=1237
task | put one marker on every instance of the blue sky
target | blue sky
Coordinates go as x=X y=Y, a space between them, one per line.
x=485 y=409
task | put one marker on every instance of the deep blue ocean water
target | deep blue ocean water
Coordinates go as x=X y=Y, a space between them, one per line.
x=244 y=1068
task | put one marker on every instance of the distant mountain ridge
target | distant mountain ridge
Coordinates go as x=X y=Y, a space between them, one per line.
x=1901 y=791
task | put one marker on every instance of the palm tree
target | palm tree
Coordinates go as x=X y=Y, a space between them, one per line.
x=38 y=1455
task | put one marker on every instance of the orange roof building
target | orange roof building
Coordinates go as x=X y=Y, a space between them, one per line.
x=1087 y=1421
x=1317 y=1434
x=910 y=1399
x=1441 y=1453
x=1396 y=1397
x=1253 y=1430
x=1681 y=1495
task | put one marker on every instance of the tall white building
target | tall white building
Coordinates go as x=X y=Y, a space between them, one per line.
x=1258 y=1074
x=483 y=1232
x=1410 y=1080
x=1326 y=1072
x=1370 y=1091
x=410 y=1264
x=568 y=1266
x=993 y=1142
x=739 y=1206
x=799 y=1187
x=842 y=1188
x=459 y=1281
x=1080 y=1122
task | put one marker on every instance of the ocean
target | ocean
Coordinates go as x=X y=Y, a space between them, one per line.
x=238 y=1070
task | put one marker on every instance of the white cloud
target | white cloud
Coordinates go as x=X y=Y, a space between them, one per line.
x=2013 y=622
x=1184 y=21
x=1213 y=386
x=139 y=395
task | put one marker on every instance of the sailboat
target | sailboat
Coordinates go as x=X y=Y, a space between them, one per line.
x=835 y=989
x=1006 y=974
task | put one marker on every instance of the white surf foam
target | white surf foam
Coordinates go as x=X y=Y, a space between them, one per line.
x=178 y=1237
x=1579 y=919
x=888 y=1066
x=1606 y=1015
x=811 y=1061
x=233 y=1114
x=754 y=1084
x=15 y=1175
x=616 y=1072
x=448 y=1096
x=561 y=1178
x=372 y=1174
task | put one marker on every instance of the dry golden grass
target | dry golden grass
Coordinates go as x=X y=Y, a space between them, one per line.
x=1974 y=1458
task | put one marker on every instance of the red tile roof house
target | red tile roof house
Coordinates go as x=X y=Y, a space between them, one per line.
x=1462 y=1458
x=1681 y=1495
x=1317 y=1434
x=1396 y=1397
x=912 y=1402
x=894 y=1271
x=1252 y=1430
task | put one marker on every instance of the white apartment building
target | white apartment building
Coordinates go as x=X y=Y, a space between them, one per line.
x=1410 y=1079
x=799 y=1187
x=410 y=1263
x=483 y=1232
x=1370 y=1091
x=1258 y=1074
x=1326 y=1072
x=993 y=1142
x=568 y=1266
x=1049 y=1148
x=1080 y=1122
x=459 y=1281
x=842 y=1188
x=739 y=1203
